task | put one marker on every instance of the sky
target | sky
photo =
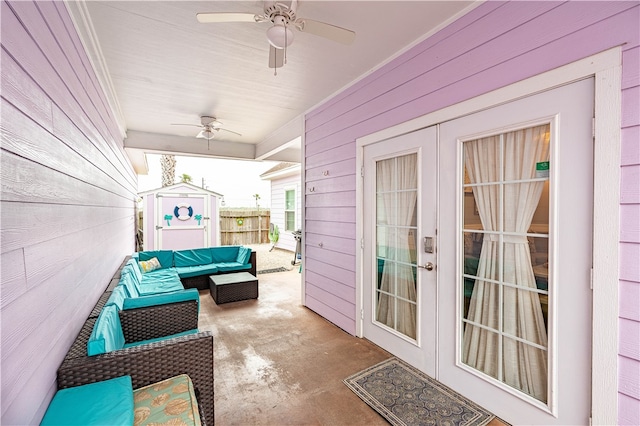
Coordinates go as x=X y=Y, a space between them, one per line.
x=237 y=180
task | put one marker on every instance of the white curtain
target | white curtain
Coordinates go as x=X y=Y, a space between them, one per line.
x=523 y=366
x=397 y=179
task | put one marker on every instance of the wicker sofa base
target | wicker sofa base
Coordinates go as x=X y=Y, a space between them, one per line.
x=148 y=364
x=201 y=282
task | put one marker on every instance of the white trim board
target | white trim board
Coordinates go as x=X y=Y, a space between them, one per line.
x=606 y=67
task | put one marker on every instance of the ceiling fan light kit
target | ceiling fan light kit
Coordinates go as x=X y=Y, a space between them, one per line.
x=280 y=36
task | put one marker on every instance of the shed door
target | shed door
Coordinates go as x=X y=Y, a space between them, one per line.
x=182 y=221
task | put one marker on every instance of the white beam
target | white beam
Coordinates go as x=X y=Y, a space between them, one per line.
x=179 y=145
x=281 y=139
x=138 y=160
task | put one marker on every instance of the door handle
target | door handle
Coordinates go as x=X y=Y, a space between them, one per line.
x=428 y=266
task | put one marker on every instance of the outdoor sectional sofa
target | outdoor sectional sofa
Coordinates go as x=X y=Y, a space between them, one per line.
x=148 y=343
x=193 y=267
x=147 y=323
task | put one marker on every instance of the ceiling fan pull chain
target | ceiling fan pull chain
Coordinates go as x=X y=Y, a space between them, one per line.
x=285 y=41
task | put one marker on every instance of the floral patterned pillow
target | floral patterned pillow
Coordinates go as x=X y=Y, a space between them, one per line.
x=169 y=402
x=150 y=265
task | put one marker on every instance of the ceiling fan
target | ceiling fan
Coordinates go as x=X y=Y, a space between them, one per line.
x=280 y=36
x=209 y=127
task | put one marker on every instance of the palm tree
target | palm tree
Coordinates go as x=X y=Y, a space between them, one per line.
x=185 y=178
x=168 y=164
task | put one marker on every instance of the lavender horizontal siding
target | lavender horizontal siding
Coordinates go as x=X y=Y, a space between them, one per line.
x=496 y=44
x=67 y=200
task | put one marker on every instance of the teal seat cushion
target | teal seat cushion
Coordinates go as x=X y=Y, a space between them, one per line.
x=222 y=254
x=160 y=275
x=160 y=339
x=194 y=257
x=117 y=298
x=164 y=256
x=194 y=271
x=109 y=402
x=233 y=266
x=160 y=281
x=163 y=299
x=244 y=254
x=160 y=287
x=107 y=333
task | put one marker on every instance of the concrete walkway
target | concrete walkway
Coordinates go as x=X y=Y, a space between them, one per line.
x=279 y=363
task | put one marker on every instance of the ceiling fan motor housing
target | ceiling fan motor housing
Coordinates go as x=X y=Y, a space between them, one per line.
x=279 y=9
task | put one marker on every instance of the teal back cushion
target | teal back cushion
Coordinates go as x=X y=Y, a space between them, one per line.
x=109 y=402
x=223 y=254
x=194 y=257
x=244 y=254
x=117 y=297
x=107 y=333
x=128 y=282
x=164 y=256
x=133 y=266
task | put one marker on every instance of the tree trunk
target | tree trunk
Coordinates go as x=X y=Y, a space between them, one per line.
x=168 y=164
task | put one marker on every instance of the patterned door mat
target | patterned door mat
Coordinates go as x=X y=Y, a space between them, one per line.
x=406 y=396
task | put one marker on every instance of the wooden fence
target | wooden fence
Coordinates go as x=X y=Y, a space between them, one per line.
x=239 y=226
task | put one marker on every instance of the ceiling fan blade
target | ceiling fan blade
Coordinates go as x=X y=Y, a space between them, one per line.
x=276 y=57
x=322 y=29
x=230 y=131
x=210 y=17
x=184 y=124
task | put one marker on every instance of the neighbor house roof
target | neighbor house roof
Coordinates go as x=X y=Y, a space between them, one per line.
x=281 y=170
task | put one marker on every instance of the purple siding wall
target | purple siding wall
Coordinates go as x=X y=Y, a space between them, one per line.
x=496 y=44
x=67 y=200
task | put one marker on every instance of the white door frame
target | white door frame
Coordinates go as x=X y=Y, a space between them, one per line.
x=606 y=67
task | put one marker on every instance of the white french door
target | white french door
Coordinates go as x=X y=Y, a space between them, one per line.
x=399 y=201
x=502 y=315
x=515 y=209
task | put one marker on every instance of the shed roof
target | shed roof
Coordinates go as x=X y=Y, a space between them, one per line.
x=178 y=185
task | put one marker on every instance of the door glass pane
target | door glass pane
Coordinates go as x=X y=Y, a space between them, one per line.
x=396 y=243
x=505 y=280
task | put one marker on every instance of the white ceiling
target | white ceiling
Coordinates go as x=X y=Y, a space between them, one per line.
x=160 y=66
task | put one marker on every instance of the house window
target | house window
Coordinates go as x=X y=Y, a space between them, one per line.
x=290 y=210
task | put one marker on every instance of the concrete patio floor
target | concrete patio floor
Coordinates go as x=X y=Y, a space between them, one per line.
x=279 y=363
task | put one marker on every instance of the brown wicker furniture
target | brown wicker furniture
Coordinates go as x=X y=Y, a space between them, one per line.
x=150 y=363
x=233 y=287
x=201 y=282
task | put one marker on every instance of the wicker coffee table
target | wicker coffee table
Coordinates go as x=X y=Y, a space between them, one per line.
x=226 y=288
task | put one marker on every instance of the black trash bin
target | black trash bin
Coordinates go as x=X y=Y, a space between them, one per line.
x=297 y=256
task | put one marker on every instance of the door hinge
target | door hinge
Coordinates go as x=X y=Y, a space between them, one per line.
x=158 y=195
x=591 y=279
x=593 y=128
x=361 y=313
x=158 y=227
x=361 y=243
x=361 y=171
